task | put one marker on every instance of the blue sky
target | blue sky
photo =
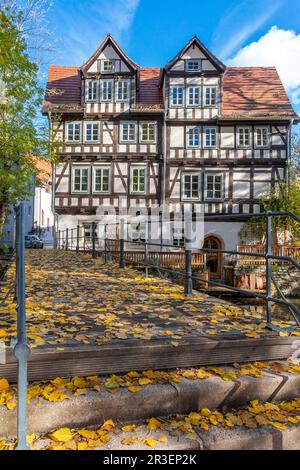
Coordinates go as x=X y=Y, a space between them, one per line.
x=248 y=32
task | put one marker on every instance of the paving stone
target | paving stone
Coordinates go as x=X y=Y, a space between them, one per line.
x=291 y=438
x=251 y=388
x=209 y=393
x=238 y=439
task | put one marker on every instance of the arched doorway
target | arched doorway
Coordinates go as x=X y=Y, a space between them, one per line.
x=213 y=260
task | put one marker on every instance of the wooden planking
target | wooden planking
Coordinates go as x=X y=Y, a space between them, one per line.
x=141 y=355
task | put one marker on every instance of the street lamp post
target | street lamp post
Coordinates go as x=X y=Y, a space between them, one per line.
x=21 y=350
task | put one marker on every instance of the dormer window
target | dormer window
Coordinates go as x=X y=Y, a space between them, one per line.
x=210 y=96
x=193 y=65
x=92 y=90
x=107 y=66
x=122 y=90
x=106 y=90
x=177 y=95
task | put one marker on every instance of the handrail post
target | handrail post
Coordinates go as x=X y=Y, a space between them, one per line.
x=77 y=239
x=146 y=252
x=121 y=254
x=93 y=240
x=67 y=239
x=21 y=349
x=268 y=258
x=188 y=288
x=59 y=239
x=105 y=250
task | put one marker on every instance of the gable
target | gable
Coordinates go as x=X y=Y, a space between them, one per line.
x=109 y=50
x=109 y=53
x=194 y=49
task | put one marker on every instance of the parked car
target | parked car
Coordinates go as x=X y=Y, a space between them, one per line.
x=33 y=241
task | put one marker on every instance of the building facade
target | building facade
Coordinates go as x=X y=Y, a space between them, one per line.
x=38 y=215
x=192 y=133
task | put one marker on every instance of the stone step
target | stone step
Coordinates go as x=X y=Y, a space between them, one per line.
x=241 y=438
x=152 y=400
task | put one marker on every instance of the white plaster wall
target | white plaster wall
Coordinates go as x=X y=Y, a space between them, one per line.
x=226 y=231
x=177 y=136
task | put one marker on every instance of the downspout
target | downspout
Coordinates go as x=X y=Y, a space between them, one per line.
x=55 y=224
x=289 y=153
x=164 y=151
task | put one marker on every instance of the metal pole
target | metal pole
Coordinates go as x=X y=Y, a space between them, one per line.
x=21 y=349
x=67 y=239
x=59 y=239
x=122 y=245
x=93 y=240
x=269 y=268
x=77 y=239
x=105 y=245
x=188 y=288
x=146 y=253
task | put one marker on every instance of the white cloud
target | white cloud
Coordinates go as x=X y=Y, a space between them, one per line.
x=279 y=48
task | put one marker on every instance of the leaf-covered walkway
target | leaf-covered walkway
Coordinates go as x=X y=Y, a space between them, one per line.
x=73 y=300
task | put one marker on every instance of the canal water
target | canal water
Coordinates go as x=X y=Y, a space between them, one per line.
x=280 y=312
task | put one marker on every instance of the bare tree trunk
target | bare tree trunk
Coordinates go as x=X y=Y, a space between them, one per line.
x=4 y=210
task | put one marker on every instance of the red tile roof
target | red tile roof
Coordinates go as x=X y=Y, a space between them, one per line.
x=247 y=92
x=149 y=95
x=254 y=92
x=43 y=169
x=63 y=90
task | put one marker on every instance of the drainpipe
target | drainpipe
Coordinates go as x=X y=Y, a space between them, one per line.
x=55 y=221
x=164 y=150
x=289 y=152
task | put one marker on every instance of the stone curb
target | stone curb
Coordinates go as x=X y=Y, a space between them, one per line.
x=152 y=401
x=239 y=438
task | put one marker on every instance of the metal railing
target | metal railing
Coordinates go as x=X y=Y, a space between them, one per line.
x=21 y=349
x=107 y=248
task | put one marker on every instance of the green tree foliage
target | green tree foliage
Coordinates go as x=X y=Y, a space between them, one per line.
x=281 y=198
x=20 y=102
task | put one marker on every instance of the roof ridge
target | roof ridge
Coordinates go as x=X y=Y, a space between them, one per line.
x=251 y=67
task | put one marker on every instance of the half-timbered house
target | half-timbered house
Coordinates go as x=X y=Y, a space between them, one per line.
x=193 y=132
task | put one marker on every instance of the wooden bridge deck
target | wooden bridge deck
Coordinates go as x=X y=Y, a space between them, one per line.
x=86 y=318
x=137 y=355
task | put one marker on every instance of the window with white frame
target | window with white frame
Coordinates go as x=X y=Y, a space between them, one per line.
x=122 y=93
x=80 y=179
x=178 y=237
x=262 y=137
x=148 y=131
x=91 y=131
x=177 y=96
x=244 y=137
x=193 y=65
x=107 y=66
x=87 y=232
x=193 y=137
x=210 y=96
x=193 y=96
x=214 y=186
x=210 y=137
x=128 y=132
x=190 y=186
x=92 y=90
x=73 y=131
x=106 y=90
x=101 y=179
x=138 y=179
x=139 y=232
